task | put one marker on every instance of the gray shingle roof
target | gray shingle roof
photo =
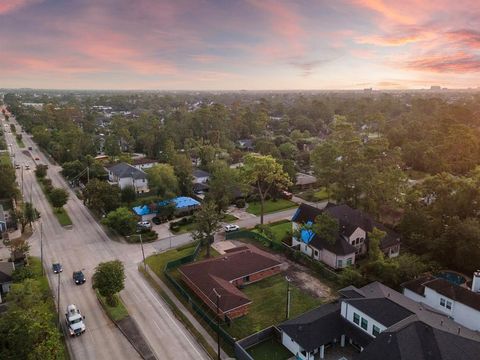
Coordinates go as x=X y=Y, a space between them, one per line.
x=383 y=310
x=124 y=170
x=420 y=341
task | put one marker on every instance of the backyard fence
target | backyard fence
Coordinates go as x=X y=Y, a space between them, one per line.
x=192 y=302
x=241 y=346
x=291 y=253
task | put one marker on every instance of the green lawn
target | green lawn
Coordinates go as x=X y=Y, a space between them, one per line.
x=269 y=350
x=5 y=158
x=157 y=262
x=269 y=305
x=184 y=228
x=62 y=216
x=280 y=230
x=115 y=313
x=270 y=206
x=318 y=194
x=20 y=143
x=229 y=218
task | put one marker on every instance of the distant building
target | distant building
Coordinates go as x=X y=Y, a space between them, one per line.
x=200 y=176
x=305 y=181
x=435 y=88
x=183 y=205
x=3 y=220
x=125 y=175
x=6 y=271
x=143 y=163
x=245 y=144
x=225 y=274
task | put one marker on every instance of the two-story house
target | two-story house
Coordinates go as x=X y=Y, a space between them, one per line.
x=125 y=175
x=459 y=303
x=376 y=322
x=144 y=163
x=352 y=238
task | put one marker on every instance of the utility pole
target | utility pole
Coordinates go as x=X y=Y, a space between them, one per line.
x=22 y=178
x=88 y=174
x=41 y=247
x=58 y=300
x=288 y=298
x=218 y=322
x=143 y=253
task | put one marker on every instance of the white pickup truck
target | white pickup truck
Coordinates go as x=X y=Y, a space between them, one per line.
x=74 y=320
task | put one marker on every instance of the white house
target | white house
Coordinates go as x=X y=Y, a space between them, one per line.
x=6 y=271
x=125 y=175
x=3 y=220
x=377 y=323
x=351 y=241
x=200 y=176
x=144 y=163
x=459 y=303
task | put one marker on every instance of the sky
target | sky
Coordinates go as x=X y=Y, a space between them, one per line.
x=239 y=44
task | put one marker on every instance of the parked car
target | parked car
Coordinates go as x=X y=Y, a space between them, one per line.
x=144 y=224
x=231 y=227
x=157 y=221
x=37 y=158
x=74 y=320
x=17 y=166
x=27 y=167
x=57 y=268
x=78 y=277
x=30 y=148
x=287 y=195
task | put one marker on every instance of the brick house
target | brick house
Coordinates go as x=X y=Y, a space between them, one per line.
x=224 y=276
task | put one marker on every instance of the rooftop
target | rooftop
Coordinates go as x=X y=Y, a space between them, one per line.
x=383 y=310
x=180 y=202
x=124 y=170
x=218 y=273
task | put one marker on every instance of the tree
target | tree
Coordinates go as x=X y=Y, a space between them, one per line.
x=374 y=238
x=58 y=197
x=206 y=222
x=26 y=215
x=109 y=279
x=41 y=171
x=265 y=174
x=223 y=184
x=162 y=179
x=7 y=181
x=100 y=196
x=326 y=227
x=121 y=220
x=183 y=170
x=128 y=194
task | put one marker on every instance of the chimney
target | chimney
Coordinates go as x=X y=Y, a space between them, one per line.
x=476 y=281
x=458 y=331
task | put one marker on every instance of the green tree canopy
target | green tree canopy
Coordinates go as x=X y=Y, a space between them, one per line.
x=58 y=197
x=121 y=220
x=207 y=221
x=163 y=181
x=109 y=279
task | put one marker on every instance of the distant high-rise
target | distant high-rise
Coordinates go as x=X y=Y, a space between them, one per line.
x=435 y=88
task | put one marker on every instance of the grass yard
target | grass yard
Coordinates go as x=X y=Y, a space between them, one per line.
x=116 y=313
x=269 y=300
x=270 y=206
x=269 y=350
x=314 y=195
x=280 y=230
x=157 y=262
x=20 y=143
x=184 y=228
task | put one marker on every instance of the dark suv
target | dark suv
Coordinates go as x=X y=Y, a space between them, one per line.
x=57 y=268
x=78 y=277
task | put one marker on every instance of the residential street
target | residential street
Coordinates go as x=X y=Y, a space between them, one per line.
x=83 y=247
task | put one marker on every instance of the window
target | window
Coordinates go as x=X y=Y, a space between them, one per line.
x=442 y=302
x=449 y=305
x=375 y=331
x=361 y=240
x=316 y=252
x=339 y=263
x=246 y=278
x=356 y=318
x=349 y=261
x=364 y=324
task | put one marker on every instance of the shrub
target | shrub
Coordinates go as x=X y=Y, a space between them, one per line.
x=240 y=203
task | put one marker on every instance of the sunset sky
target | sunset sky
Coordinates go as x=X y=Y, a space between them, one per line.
x=235 y=44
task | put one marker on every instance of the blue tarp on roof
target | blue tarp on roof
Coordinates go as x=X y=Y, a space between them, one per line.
x=180 y=202
x=307 y=234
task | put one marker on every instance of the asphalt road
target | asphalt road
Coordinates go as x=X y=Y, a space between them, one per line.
x=83 y=247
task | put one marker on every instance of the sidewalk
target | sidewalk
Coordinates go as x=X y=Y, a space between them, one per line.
x=212 y=342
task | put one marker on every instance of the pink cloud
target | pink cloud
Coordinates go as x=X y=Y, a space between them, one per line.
x=7 y=6
x=459 y=62
x=397 y=39
x=466 y=37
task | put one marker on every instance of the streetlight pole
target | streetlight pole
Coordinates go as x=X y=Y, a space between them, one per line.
x=218 y=322
x=288 y=298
